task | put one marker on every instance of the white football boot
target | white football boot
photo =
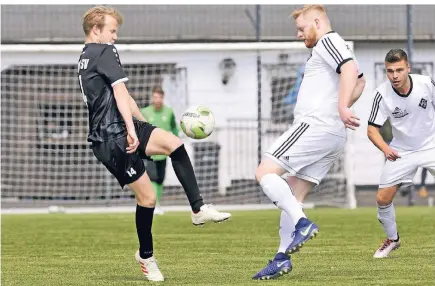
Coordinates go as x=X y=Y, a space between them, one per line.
x=387 y=246
x=158 y=210
x=209 y=213
x=149 y=268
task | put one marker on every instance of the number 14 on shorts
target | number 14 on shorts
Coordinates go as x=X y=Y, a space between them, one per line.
x=131 y=172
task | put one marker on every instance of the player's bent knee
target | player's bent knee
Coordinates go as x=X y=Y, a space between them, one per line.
x=162 y=143
x=262 y=171
x=174 y=144
x=268 y=166
x=171 y=143
x=259 y=173
x=385 y=196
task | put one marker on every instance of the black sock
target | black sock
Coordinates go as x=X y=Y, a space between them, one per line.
x=144 y=222
x=184 y=170
x=423 y=177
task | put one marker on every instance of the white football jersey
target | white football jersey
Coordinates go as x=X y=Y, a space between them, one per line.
x=317 y=101
x=412 y=115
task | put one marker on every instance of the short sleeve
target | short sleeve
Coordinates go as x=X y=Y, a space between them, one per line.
x=378 y=114
x=334 y=50
x=109 y=66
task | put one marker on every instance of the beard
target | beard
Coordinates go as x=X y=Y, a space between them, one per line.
x=311 y=39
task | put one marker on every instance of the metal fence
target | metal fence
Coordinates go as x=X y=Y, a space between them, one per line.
x=181 y=23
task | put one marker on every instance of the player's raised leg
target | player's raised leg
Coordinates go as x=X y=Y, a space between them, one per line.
x=146 y=200
x=387 y=217
x=269 y=174
x=164 y=143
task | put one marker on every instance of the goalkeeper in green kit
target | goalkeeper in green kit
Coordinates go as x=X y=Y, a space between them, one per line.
x=162 y=116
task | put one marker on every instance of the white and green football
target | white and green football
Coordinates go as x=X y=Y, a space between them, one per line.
x=197 y=122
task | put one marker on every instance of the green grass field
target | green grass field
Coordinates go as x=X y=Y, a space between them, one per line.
x=59 y=249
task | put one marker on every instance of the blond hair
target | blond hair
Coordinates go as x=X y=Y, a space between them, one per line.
x=96 y=16
x=306 y=8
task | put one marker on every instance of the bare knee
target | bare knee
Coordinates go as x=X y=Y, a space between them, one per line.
x=144 y=192
x=267 y=166
x=162 y=143
x=385 y=195
x=147 y=199
x=173 y=143
x=169 y=142
x=259 y=173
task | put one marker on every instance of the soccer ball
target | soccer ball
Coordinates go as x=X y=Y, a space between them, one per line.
x=197 y=122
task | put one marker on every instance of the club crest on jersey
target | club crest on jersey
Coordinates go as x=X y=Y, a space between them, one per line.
x=423 y=103
x=399 y=113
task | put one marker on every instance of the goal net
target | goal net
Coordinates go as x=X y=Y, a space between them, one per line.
x=46 y=159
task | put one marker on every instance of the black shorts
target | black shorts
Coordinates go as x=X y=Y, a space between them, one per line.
x=127 y=168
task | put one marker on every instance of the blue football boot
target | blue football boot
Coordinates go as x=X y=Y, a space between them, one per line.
x=304 y=231
x=277 y=267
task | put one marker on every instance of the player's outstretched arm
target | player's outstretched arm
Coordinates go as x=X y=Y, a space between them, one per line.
x=348 y=81
x=358 y=90
x=375 y=136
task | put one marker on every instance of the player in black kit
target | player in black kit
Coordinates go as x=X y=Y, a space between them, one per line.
x=121 y=138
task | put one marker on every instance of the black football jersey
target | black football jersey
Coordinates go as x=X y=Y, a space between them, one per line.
x=99 y=69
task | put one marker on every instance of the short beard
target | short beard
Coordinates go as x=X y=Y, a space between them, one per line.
x=312 y=38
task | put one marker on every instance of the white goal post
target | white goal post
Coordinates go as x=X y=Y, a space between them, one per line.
x=47 y=161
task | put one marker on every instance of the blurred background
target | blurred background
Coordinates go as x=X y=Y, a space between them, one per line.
x=241 y=61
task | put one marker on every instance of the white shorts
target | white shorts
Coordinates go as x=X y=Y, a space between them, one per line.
x=402 y=171
x=306 y=152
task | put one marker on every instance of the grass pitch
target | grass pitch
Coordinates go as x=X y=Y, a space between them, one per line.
x=98 y=249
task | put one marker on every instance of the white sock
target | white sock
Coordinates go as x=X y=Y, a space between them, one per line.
x=286 y=228
x=281 y=195
x=387 y=217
